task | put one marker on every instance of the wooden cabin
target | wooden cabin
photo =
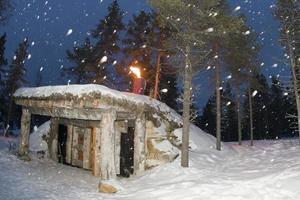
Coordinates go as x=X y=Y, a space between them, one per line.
x=99 y=129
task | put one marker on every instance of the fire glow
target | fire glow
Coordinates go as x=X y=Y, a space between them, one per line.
x=136 y=71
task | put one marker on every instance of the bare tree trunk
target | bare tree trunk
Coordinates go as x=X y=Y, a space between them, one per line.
x=157 y=76
x=238 y=103
x=218 y=101
x=251 y=116
x=186 y=110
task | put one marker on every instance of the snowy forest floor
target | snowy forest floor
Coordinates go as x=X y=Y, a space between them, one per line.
x=268 y=171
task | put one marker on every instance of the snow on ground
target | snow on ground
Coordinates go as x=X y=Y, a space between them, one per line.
x=268 y=171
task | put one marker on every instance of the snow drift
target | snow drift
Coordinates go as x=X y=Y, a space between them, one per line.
x=37 y=138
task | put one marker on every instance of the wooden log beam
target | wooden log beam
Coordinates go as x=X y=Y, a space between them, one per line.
x=107 y=145
x=92 y=114
x=139 y=143
x=25 y=129
x=80 y=123
x=69 y=113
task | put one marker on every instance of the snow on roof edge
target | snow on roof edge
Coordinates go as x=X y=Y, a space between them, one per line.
x=80 y=90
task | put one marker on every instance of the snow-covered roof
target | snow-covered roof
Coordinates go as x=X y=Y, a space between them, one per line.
x=48 y=92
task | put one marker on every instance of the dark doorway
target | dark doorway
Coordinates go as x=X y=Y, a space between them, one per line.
x=127 y=153
x=62 y=143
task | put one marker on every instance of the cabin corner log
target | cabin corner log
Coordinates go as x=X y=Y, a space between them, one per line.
x=96 y=138
x=107 y=145
x=139 y=143
x=25 y=129
x=52 y=139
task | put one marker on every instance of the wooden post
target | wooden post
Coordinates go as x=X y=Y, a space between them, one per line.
x=75 y=147
x=86 y=148
x=120 y=127
x=139 y=143
x=107 y=147
x=69 y=144
x=52 y=140
x=96 y=151
x=25 y=129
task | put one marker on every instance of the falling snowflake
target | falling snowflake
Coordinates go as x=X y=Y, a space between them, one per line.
x=237 y=8
x=165 y=90
x=209 y=30
x=103 y=59
x=254 y=93
x=70 y=31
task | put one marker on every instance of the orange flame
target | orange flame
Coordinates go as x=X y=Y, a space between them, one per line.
x=136 y=71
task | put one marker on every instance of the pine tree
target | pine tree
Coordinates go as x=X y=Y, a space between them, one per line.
x=229 y=118
x=291 y=113
x=137 y=48
x=188 y=24
x=168 y=85
x=261 y=101
x=5 y=10
x=208 y=117
x=223 y=22
x=146 y=43
x=81 y=57
x=3 y=60
x=107 y=33
x=3 y=63
x=278 y=122
x=288 y=14
x=241 y=58
x=16 y=75
x=158 y=39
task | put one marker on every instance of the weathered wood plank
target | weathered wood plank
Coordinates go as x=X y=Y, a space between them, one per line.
x=97 y=143
x=25 y=129
x=86 y=149
x=120 y=127
x=74 y=147
x=139 y=143
x=69 y=144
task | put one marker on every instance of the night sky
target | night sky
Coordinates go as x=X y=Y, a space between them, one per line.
x=46 y=24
